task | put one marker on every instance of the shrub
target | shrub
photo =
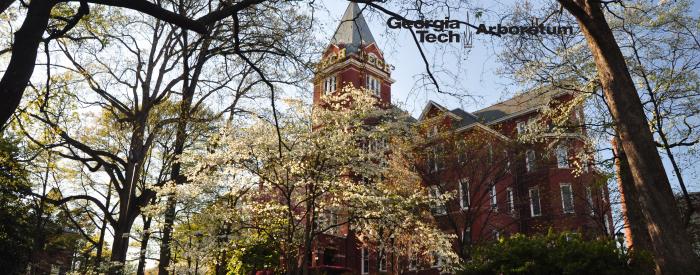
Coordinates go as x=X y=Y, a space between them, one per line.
x=564 y=253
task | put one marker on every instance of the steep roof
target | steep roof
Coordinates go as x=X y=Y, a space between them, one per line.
x=522 y=103
x=353 y=30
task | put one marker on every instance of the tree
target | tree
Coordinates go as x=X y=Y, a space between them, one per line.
x=37 y=22
x=15 y=224
x=333 y=167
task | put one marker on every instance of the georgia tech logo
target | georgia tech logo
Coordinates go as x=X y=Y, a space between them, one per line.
x=447 y=30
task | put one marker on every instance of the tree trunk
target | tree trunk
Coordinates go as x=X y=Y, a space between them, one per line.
x=120 y=246
x=103 y=229
x=637 y=236
x=672 y=252
x=165 y=249
x=144 y=246
x=24 y=52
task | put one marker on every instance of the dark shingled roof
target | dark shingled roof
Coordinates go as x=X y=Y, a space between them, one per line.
x=523 y=102
x=353 y=30
x=467 y=118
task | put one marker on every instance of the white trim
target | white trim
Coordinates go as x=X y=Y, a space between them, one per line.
x=571 y=197
x=364 y=256
x=494 y=197
x=352 y=61
x=562 y=149
x=510 y=199
x=461 y=184
x=530 y=161
x=440 y=107
x=381 y=260
x=439 y=208
x=539 y=204
x=589 y=199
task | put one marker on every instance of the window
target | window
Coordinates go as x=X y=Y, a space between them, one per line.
x=510 y=200
x=365 y=261
x=464 y=193
x=333 y=223
x=382 y=260
x=375 y=145
x=589 y=199
x=413 y=261
x=494 y=198
x=507 y=158
x=521 y=127
x=530 y=160
x=467 y=235
x=496 y=235
x=373 y=84
x=434 y=159
x=535 y=209
x=562 y=156
x=461 y=153
x=436 y=205
x=433 y=131
x=567 y=198
x=329 y=85
x=490 y=152
x=437 y=260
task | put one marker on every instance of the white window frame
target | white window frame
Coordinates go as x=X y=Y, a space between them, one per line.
x=496 y=234
x=433 y=131
x=510 y=197
x=494 y=197
x=521 y=127
x=464 y=198
x=373 y=85
x=330 y=84
x=530 y=160
x=438 y=208
x=413 y=262
x=562 y=154
x=570 y=197
x=467 y=232
x=381 y=261
x=532 y=205
x=437 y=260
x=364 y=261
x=589 y=199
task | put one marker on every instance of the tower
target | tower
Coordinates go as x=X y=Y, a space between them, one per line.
x=352 y=57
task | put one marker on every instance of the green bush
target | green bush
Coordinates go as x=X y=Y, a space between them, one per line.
x=564 y=253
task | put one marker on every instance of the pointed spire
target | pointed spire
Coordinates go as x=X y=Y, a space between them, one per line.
x=353 y=30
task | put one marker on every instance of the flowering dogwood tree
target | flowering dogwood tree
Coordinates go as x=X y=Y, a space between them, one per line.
x=346 y=161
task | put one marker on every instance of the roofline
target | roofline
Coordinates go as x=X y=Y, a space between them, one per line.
x=538 y=107
x=513 y=115
x=427 y=107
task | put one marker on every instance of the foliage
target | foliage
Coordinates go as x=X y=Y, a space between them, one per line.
x=260 y=254
x=562 y=253
x=15 y=224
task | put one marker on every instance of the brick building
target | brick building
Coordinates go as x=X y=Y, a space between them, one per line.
x=502 y=184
